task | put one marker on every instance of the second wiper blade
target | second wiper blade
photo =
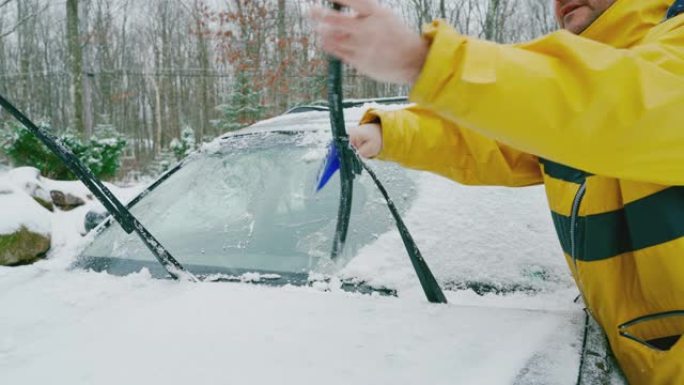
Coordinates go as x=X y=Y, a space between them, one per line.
x=111 y=203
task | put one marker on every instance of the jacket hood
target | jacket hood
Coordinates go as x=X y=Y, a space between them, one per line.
x=626 y=22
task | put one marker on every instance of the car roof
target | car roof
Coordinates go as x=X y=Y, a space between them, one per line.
x=313 y=120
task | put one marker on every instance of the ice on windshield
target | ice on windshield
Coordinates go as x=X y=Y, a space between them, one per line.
x=250 y=205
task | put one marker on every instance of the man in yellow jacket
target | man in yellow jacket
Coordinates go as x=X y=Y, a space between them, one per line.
x=594 y=111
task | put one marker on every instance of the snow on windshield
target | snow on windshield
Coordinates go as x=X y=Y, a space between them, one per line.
x=250 y=206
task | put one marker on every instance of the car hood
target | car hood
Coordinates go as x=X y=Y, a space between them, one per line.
x=82 y=327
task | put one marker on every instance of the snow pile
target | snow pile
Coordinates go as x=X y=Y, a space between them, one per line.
x=20 y=210
x=30 y=181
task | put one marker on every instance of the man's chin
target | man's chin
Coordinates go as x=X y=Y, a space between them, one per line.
x=578 y=20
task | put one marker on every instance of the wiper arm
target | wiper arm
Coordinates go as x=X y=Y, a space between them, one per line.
x=350 y=164
x=120 y=213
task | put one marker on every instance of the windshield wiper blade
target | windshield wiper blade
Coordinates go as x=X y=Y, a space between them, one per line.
x=111 y=203
x=350 y=164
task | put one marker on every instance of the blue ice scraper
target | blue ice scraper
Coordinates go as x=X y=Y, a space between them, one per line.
x=331 y=164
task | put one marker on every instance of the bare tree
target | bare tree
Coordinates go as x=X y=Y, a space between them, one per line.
x=282 y=42
x=202 y=33
x=76 y=63
x=542 y=17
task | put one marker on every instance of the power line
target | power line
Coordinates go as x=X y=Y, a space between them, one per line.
x=169 y=73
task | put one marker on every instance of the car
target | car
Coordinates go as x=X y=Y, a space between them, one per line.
x=246 y=204
x=244 y=208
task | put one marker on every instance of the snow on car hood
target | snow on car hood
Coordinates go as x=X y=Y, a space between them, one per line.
x=88 y=328
x=501 y=237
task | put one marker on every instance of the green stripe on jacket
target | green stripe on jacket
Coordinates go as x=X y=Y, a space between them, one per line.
x=650 y=221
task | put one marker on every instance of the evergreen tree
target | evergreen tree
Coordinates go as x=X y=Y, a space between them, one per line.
x=245 y=106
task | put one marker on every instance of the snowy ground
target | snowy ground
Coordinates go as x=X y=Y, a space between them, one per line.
x=76 y=327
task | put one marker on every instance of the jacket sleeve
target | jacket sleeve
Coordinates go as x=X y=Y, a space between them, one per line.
x=420 y=139
x=575 y=101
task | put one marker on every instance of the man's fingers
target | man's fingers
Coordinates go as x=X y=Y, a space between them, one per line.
x=355 y=140
x=338 y=40
x=361 y=7
x=332 y=31
x=339 y=43
x=368 y=149
x=338 y=31
x=356 y=136
x=366 y=140
x=326 y=16
x=341 y=53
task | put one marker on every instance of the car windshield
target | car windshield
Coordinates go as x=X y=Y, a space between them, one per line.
x=248 y=204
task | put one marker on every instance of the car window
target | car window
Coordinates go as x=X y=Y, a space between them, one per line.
x=249 y=205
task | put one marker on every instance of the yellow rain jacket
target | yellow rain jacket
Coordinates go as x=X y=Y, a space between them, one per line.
x=599 y=119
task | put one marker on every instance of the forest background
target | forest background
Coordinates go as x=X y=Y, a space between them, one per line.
x=132 y=85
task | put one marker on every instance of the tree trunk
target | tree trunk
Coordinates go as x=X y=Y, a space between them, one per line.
x=88 y=120
x=282 y=86
x=493 y=21
x=76 y=61
x=203 y=58
x=157 y=146
x=123 y=90
x=3 y=61
x=24 y=41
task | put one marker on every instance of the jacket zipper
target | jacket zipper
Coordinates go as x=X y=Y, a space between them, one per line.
x=576 y=203
x=573 y=221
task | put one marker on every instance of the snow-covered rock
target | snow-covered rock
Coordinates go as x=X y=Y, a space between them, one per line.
x=24 y=226
x=66 y=201
x=22 y=247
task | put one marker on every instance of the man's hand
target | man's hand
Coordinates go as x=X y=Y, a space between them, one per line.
x=367 y=139
x=371 y=39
